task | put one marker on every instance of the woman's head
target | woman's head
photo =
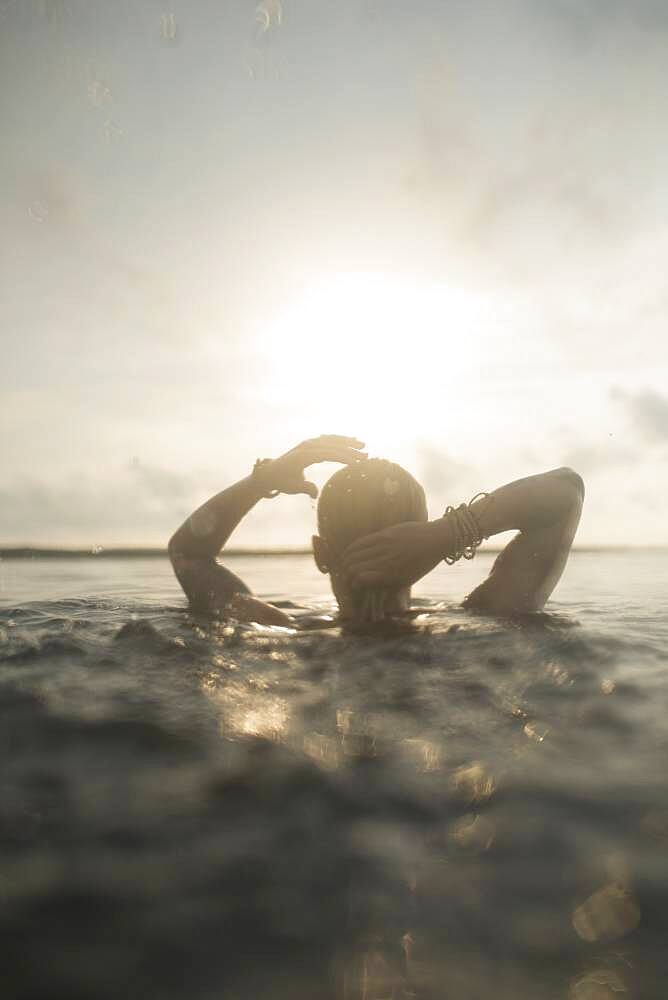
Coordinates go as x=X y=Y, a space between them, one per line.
x=359 y=500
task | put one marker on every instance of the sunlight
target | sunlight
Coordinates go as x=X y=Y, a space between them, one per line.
x=371 y=354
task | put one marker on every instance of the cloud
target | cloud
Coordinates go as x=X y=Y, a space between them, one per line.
x=648 y=411
x=590 y=16
x=439 y=473
x=160 y=484
x=599 y=457
x=139 y=504
x=553 y=164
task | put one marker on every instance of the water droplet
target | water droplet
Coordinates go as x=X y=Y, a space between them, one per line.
x=38 y=211
x=600 y=984
x=267 y=13
x=112 y=130
x=169 y=28
x=473 y=833
x=99 y=93
x=607 y=915
x=535 y=732
x=473 y=783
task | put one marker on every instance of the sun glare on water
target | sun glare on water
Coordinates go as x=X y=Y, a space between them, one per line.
x=373 y=355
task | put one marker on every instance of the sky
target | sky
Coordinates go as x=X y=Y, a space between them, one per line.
x=440 y=226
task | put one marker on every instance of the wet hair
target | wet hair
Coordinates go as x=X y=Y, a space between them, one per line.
x=366 y=497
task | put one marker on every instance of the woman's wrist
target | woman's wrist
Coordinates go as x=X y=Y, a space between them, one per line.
x=261 y=480
x=460 y=531
x=440 y=530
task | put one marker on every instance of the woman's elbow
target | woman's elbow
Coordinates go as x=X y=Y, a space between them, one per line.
x=570 y=485
x=173 y=547
x=574 y=479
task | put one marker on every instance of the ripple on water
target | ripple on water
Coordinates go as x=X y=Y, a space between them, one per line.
x=237 y=811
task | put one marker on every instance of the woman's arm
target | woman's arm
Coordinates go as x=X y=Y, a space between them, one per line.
x=544 y=508
x=194 y=546
x=203 y=534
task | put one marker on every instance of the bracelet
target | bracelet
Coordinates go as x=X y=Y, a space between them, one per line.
x=466 y=531
x=260 y=463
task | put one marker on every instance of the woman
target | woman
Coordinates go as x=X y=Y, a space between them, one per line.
x=375 y=539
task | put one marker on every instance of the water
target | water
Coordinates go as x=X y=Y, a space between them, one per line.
x=477 y=810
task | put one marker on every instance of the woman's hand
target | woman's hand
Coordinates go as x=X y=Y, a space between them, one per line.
x=396 y=556
x=286 y=474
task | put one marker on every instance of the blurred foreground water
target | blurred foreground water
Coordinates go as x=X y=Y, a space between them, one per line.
x=189 y=809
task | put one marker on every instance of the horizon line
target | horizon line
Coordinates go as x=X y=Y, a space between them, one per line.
x=154 y=552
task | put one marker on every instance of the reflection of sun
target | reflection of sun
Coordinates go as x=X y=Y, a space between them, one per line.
x=252 y=713
x=268 y=720
x=371 y=355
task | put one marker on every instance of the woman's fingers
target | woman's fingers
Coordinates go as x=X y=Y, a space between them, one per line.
x=370 y=561
x=363 y=572
x=372 y=552
x=329 y=441
x=336 y=439
x=330 y=453
x=370 y=573
x=361 y=545
x=368 y=546
x=310 y=489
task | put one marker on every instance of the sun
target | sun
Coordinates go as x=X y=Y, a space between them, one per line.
x=379 y=356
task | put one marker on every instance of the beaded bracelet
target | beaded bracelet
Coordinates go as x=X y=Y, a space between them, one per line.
x=467 y=535
x=260 y=463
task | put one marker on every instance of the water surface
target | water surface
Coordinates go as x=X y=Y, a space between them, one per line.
x=196 y=809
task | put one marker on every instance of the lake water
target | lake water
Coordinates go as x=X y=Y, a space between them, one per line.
x=188 y=809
